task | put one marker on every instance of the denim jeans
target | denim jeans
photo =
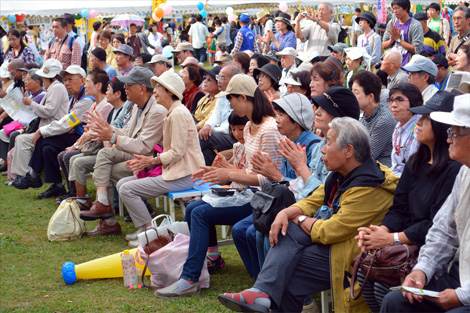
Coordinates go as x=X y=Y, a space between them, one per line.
x=244 y=238
x=200 y=54
x=202 y=219
x=262 y=245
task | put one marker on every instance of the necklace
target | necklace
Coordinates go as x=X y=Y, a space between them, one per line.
x=399 y=148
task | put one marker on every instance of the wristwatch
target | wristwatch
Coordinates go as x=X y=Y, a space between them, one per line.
x=398 y=40
x=396 y=239
x=113 y=139
x=301 y=219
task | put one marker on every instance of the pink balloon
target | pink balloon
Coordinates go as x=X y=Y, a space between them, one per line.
x=283 y=7
x=167 y=9
x=93 y=14
x=232 y=18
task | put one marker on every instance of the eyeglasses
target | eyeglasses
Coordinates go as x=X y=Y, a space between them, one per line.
x=451 y=134
x=397 y=99
x=220 y=78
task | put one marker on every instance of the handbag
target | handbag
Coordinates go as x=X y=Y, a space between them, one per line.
x=33 y=126
x=66 y=223
x=154 y=171
x=389 y=265
x=267 y=203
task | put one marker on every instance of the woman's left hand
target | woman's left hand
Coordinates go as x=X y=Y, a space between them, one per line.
x=216 y=176
x=265 y=166
x=140 y=163
x=375 y=237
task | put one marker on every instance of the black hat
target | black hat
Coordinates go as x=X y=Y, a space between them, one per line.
x=440 y=60
x=214 y=71
x=271 y=70
x=99 y=53
x=368 y=16
x=420 y=16
x=441 y=101
x=283 y=17
x=338 y=101
x=272 y=55
x=69 y=18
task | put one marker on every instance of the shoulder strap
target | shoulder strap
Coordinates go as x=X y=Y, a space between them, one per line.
x=51 y=42
x=311 y=143
x=71 y=41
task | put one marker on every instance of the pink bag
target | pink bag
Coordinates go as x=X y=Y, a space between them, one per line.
x=166 y=264
x=11 y=127
x=154 y=171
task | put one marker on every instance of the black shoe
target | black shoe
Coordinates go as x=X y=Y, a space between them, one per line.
x=67 y=195
x=27 y=181
x=53 y=191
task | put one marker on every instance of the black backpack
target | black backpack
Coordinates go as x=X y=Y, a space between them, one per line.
x=272 y=198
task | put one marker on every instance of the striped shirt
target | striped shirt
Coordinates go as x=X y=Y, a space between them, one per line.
x=266 y=140
x=59 y=50
x=433 y=44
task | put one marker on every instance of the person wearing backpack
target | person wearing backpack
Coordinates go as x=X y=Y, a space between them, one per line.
x=62 y=46
x=70 y=24
x=321 y=33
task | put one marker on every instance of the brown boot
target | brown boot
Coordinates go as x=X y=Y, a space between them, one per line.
x=97 y=211
x=104 y=229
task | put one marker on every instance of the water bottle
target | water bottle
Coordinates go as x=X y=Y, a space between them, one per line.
x=128 y=269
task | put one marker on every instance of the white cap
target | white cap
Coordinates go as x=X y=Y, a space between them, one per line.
x=75 y=70
x=50 y=69
x=287 y=51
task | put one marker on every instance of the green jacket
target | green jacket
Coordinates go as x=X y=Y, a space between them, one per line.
x=366 y=194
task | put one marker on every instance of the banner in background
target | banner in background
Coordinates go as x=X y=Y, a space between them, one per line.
x=381 y=12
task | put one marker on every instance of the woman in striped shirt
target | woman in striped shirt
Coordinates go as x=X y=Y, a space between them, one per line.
x=261 y=136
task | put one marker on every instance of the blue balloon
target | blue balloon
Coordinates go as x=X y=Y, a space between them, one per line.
x=167 y=51
x=11 y=18
x=68 y=273
x=200 y=6
x=84 y=13
x=203 y=13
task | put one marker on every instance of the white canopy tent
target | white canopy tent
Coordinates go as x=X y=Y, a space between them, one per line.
x=111 y=7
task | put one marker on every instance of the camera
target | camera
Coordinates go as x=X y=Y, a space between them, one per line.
x=378 y=65
x=305 y=13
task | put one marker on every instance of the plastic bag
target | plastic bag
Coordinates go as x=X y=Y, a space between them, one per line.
x=238 y=199
x=168 y=223
x=66 y=223
x=166 y=264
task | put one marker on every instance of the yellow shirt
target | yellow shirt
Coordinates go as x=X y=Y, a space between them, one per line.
x=204 y=110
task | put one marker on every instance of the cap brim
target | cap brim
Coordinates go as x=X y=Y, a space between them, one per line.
x=324 y=103
x=154 y=80
x=446 y=118
x=421 y=110
x=23 y=69
x=126 y=80
x=289 y=80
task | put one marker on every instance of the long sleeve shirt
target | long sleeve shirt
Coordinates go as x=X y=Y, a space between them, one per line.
x=442 y=241
x=286 y=40
x=404 y=144
x=60 y=50
x=218 y=121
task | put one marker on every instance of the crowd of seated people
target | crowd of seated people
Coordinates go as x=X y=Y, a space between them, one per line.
x=386 y=152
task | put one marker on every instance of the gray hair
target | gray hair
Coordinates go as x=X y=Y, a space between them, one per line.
x=34 y=76
x=328 y=5
x=352 y=132
x=233 y=68
x=394 y=54
x=464 y=9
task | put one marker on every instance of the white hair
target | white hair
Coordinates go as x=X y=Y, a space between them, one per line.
x=351 y=132
x=328 y=5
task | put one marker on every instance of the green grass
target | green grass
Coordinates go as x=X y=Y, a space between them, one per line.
x=30 y=266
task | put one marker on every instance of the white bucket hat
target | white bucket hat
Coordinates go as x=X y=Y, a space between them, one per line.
x=171 y=81
x=50 y=69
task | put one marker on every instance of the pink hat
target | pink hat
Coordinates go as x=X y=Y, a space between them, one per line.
x=189 y=60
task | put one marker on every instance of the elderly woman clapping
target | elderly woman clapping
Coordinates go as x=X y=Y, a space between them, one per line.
x=180 y=158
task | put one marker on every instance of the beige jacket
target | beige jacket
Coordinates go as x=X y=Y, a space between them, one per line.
x=53 y=106
x=182 y=154
x=143 y=133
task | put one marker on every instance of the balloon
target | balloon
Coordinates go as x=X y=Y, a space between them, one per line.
x=200 y=6
x=93 y=14
x=11 y=18
x=167 y=9
x=78 y=17
x=283 y=7
x=154 y=17
x=167 y=51
x=232 y=18
x=22 y=17
x=203 y=13
x=161 y=5
x=229 y=10
x=159 y=12
x=84 y=13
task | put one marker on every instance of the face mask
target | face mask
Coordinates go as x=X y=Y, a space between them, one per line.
x=10 y=76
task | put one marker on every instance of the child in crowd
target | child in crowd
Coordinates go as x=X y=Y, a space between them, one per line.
x=221 y=49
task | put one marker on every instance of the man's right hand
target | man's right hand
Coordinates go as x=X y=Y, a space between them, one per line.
x=416 y=279
x=205 y=132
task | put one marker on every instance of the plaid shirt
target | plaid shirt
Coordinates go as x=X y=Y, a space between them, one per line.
x=26 y=55
x=239 y=41
x=60 y=50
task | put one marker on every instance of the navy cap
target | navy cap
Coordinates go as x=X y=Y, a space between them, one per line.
x=441 y=101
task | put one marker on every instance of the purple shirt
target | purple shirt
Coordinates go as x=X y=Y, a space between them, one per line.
x=404 y=29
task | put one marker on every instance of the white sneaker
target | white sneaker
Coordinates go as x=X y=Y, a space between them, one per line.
x=134 y=243
x=133 y=236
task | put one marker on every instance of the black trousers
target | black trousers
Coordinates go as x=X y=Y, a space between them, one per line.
x=217 y=141
x=45 y=155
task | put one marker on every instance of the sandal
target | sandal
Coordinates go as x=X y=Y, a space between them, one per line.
x=244 y=301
